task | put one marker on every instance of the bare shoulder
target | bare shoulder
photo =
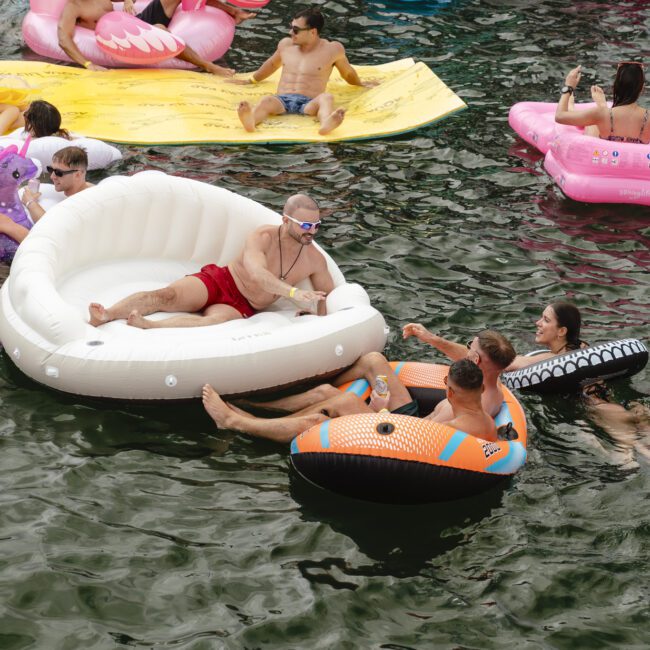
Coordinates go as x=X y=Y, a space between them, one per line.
x=284 y=44
x=316 y=257
x=336 y=47
x=262 y=237
x=72 y=6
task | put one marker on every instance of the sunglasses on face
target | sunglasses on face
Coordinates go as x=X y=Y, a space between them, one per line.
x=305 y=225
x=296 y=30
x=59 y=172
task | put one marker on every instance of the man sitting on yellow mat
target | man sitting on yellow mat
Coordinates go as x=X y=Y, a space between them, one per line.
x=307 y=61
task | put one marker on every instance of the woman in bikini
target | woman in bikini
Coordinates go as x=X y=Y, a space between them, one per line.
x=559 y=330
x=625 y=121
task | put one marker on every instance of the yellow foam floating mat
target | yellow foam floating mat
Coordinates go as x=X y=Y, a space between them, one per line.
x=149 y=106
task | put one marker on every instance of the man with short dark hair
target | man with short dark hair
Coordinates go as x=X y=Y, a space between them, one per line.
x=68 y=175
x=464 y=388
x=307 y=61
x=273 y=260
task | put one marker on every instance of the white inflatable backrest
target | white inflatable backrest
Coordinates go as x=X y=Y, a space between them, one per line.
x=148 y=215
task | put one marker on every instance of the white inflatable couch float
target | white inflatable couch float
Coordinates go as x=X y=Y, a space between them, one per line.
x=139 y=233
x=100 y=154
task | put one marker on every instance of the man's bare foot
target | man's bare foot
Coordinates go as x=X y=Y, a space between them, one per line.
x=240 y=16
x=246 y=116
x=218 y=70
x=216 y=408
x=135 y=319
x=98 y=314
x=332 y=121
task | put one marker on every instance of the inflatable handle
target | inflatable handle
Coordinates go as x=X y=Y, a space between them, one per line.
x=250 y=4
x=192 y=5
x=131 y=40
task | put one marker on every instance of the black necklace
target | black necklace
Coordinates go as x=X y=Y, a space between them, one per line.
x=283 y=276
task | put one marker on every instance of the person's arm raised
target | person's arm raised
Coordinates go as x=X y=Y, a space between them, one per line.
x=565 y=115
x=454 y=351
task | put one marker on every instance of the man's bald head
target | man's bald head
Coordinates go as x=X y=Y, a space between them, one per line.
x=298 y=202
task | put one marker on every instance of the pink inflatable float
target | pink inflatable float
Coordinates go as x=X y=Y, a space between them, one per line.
x=585 y=168
x=130 y=40
x=207 y=30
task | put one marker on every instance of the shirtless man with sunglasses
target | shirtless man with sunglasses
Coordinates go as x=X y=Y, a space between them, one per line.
x=307 y=61
x=274 y=259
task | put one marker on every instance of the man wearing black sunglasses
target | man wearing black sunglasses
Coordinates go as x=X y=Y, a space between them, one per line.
x=273 y=261
x=68 y=174
x=307 y=61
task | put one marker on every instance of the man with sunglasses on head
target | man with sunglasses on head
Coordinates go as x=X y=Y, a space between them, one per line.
x=68 y=175
x=273 y=261
x=307 y=61
x=490 y=351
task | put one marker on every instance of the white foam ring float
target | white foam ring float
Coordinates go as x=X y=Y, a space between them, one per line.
x=141 y=233
x=100 y=154
x=567 y=372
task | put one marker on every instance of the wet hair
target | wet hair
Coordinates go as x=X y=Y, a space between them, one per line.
x=43 y=119
x=628 y=84
x=497 y=347
x=298 y=201
x=73 y=157
x=568 y=315
x=466 y=375
x=313 y=18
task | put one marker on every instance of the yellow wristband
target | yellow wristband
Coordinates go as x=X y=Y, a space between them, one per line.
x=292 y=293
x=252 y=79
x=85 y=64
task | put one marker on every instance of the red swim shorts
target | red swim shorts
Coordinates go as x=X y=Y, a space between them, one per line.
x=222 y=289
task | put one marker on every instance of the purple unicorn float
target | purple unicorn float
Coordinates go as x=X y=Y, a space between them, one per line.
x=15 y=169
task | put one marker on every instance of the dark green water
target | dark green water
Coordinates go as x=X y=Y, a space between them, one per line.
x=146 y=528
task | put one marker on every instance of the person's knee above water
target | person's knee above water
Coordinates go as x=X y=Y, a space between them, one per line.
x=307 y=61
x=68 y=175
x=625 y=121
x=272 y=261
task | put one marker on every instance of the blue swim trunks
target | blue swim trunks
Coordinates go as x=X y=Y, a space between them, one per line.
x=294 y=104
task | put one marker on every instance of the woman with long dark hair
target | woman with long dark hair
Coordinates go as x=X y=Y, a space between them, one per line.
x=625 y=121
x=558 y=329
x=39 y=119
x=43 y=119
